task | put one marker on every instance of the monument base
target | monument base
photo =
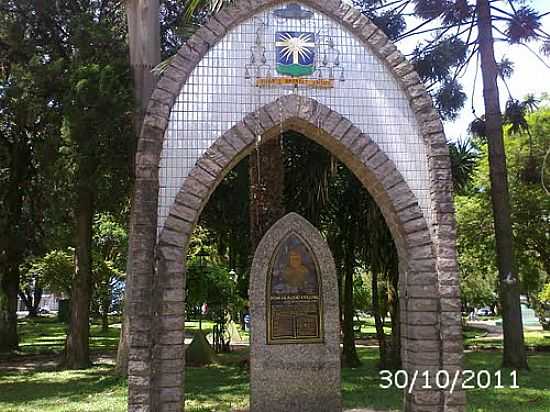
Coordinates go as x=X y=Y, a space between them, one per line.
x=312 y=386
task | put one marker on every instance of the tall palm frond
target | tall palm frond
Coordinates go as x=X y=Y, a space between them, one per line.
x=195 y=7
x=515 y=116
x=464 y=157
x=195 y=13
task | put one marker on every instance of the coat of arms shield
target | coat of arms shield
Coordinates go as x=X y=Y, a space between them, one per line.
x=295 y=53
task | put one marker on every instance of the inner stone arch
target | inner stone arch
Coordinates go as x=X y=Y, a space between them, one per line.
x=334 y=132
x=378 y=174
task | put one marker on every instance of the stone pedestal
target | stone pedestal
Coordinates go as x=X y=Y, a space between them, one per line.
x=295 y=341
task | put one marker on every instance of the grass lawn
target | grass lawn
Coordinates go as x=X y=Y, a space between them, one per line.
x=91 y=390
x=225 y=386
x=46 y=335
x=193 y=325
x=478 y=338
x=532 y=396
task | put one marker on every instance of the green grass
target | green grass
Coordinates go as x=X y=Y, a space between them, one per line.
x=221 y=388
x=478 y=338
x=532 y=396
x=91 y=390
x=225 y=386
x=46 y=335
x=360 y=386
x=368 y=328
x=471 y=334
x=207 y=326
x=193 y=326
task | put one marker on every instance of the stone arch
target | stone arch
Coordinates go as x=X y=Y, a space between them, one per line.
x=376 y=172
x=156 y=285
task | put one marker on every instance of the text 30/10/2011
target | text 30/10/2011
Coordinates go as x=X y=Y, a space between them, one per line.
x=460 y=379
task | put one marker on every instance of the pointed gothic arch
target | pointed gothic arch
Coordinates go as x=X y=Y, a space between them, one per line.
x=431 y=334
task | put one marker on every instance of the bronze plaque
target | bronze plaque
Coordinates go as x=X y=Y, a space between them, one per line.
x=293 y=295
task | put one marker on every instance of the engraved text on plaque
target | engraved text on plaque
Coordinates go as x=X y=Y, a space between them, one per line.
x=294 y=302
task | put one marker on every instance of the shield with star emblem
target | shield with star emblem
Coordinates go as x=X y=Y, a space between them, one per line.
x=295 y=53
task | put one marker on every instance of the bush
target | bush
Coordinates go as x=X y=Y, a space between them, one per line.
x=199 y=353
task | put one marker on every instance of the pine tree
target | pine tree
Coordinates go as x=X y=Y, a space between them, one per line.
x=464 y=30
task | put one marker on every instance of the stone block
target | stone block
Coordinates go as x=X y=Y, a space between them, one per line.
x=189 y=200
x=200 y=184
x=343 y=128
x=171 y=394
x=423 y=332
x=451 y=305
x=422 y=318
x=421 y=278
x=423 y=305
x=248 y=130
x=183 y=212
x=170 y=407
x=175 y=224
x=330 y=122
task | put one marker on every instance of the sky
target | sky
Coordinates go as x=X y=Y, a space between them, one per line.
x=530 y=76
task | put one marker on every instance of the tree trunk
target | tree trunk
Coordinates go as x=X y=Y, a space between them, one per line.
x=31 y=300
x=514 y=355
x=13 y=243
x=37 y=298
x=349 y=353
x=9 y=285
x=267 y=182
x=27 y=300
x=395 y=356
x=77 y=350
x=122 y=352
x=378 y=323
x=143 y=18
x=105 y=305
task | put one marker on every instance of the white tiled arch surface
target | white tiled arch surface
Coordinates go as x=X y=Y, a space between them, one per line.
x=216 y=96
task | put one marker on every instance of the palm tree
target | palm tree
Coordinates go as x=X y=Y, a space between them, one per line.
x=440 y=63
x=144 y=46
x=464 y=157
x=514 y=346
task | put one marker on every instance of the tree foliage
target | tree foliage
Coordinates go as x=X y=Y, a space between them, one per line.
x=66 y=129
x=530 y=206
x=54 y=271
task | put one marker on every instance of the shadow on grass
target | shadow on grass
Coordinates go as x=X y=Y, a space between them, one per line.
x=225 y=386
x=221 y=387
x=47 y=335
x=67 y=385
x=533 y=394
x=361 y=386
